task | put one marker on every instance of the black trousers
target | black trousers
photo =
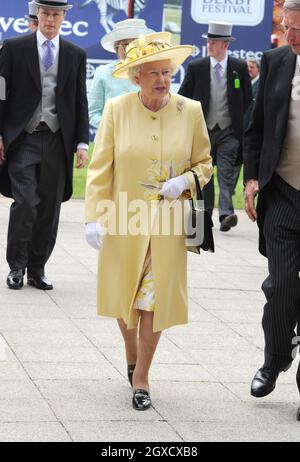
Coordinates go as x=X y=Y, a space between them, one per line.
x=37 y=171
x=224 y=151
x=281 y=227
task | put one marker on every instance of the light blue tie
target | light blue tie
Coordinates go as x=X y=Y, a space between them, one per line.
x=218 y=69
x=48 y=57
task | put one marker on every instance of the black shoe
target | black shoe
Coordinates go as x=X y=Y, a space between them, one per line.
x=264 y=382
x=141 y=400
x=15 y=279
x=40 y=282
x=298 y=414
x=130 y=370
x=228 y=222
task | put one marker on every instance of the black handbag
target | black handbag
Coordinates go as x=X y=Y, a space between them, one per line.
x=200 y=224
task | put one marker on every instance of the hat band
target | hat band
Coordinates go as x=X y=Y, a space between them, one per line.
x=218 y=36
x=47 y=3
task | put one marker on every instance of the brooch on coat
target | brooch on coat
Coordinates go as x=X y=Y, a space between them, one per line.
x=180 y=105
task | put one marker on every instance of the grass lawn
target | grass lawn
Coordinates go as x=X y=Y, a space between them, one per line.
x=172 y=15
x=80 y=180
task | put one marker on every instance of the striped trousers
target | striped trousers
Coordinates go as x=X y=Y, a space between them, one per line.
x=281 y=228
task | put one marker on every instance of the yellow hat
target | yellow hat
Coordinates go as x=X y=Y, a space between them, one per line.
x=149 y=48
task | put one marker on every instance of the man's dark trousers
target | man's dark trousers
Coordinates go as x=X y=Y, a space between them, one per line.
x=280 y=221
x=37 y=171
x=224 y=151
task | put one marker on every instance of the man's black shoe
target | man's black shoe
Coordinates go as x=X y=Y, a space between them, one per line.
x=228 y=222
x=15 y=279
x=298 y=414
x=40 y=282
x=264 y=382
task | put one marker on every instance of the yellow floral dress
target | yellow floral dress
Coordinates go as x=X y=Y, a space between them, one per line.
x=145 y=297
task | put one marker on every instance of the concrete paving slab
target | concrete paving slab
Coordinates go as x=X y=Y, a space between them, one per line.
x=113 y=432
x=84 y=400
x=101 y=370
x=228 y=431
x=55 y=353
x=20 y=401
x=41 y=432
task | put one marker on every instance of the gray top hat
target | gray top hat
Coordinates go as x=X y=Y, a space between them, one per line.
x=219 y=31
x=57 y=4
x=31 y=12
x=292 y=4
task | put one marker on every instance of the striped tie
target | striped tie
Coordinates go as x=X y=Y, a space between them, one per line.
x=218 y=69
x=48 y=57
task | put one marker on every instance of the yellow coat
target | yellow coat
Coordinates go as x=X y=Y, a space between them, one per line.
x=135 y=145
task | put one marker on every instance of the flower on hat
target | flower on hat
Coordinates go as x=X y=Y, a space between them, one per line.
x=142 y=49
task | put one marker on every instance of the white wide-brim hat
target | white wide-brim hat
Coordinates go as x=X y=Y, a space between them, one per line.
x=149 y=48
x=124 y=30
x=56 y=5
x=219 y=31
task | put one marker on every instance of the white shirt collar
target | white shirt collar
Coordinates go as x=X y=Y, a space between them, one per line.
x=255 y=80
x=223 y=62
x=41 y=39
x=298 y=60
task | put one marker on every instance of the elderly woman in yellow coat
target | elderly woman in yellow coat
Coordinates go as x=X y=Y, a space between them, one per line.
x=144 y=150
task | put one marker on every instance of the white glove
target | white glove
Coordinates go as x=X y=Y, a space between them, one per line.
x=94 y=235
x=174 y=187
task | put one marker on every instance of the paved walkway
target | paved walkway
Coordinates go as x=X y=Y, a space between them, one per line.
x=62 y=371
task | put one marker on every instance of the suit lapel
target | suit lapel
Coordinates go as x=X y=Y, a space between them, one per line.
x=64 y=65
x=32 y=59
x=204 y=84
x=282 y=93
x=285 y=74
x=231 y=76
x=255 y=88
